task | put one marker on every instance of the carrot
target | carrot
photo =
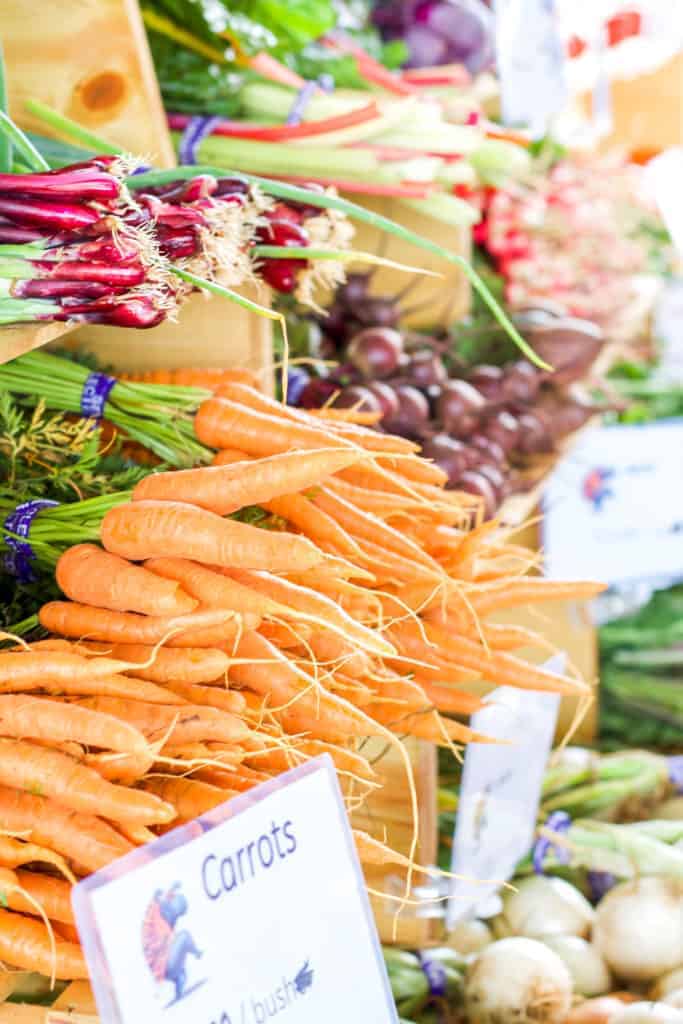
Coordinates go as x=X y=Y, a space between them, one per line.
x=31 y=669
x=506 y=593
x=364 y=526
x=333 y=651
x=283 y=636
x=208 y=379
x=189 y=797
x=416 y=470
x=89 y=575
x=82 y=621
x=152 y=529
x=36 y=718
x=315 y=524
x=203 y=754
x=218 y=589
x=372 y=441
x=53 y=894
x=24 y=943
x=389 y=566
x=209 y=696
x=387 y=505
x=14 y=852
x=82 y=838
x=185 y=724
x=238 y=780
x=345 y=760
x=228 y=456
x=221 y=423
x=450 y=700
x=50 y=773
x=312 y=607
x=501 y=668
x=367 y=419
x=426 y=725
x=182 y=665
x=228 y=488
x=125 y=769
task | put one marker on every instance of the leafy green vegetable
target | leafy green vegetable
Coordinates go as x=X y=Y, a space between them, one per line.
x=191 y=84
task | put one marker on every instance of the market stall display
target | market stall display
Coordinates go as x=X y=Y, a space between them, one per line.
x=226 y=551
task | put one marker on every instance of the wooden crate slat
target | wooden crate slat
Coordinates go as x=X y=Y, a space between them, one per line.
x=15 y=341
x=91 y=62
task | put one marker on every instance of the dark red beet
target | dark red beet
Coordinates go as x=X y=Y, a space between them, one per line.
x=413 y=412
x=426 y=369
x=357 y=396
x=495 y=477
x=488 y=380
x=281 y=232
x=376 y=351
x=317 y=392
x=475 y=483
x=385 y=396
x=489 y=449
x=534 y=436
x=459 y=408
x=503 y=429
x=521 y=382
x=448 y=453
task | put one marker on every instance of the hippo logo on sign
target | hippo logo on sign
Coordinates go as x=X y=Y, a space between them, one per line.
x=167 y=947
x=596 y=486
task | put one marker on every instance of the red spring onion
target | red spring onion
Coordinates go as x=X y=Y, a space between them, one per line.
x=72 y=183
x=51 y=216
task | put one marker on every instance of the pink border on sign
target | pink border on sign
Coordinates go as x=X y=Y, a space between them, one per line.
x=100 y=978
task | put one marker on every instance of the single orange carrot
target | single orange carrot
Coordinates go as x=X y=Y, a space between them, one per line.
x=53 y=894
x=227 y=488
x=15 y=852
x=154 y=529
x=24 y=943
x=215 y=589
x=448 y=699
x=366 y=419
x=185 y=724
x=189 y=797
x=49 y=773
x=210 y=696
x=506 y=593
x=315 y=524
x=182 y=665
x=82 y=838
x=194 y=377
x=83 y=622
x=39 y=719
x=33 y=668
x=89 y=575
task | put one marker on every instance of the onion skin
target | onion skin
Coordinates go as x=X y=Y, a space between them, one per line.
x=541 y=907
x=600 y=1010
x=517 y=980
x=590 y=974
x=639 y=928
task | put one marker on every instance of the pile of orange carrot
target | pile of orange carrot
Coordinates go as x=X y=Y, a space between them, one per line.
x=196 y=654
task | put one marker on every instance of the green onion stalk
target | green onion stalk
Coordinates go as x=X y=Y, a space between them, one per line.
x=156 y=416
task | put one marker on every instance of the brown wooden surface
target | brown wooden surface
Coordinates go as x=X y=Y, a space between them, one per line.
x=89 y=60
x=15 y=341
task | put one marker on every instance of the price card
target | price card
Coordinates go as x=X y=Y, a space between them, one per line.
x=255 y=911
x=500 y=793
x=612 y=508
x=530 y=63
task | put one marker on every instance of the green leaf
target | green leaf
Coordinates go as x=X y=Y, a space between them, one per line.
x=20 y=142
x=5 y=143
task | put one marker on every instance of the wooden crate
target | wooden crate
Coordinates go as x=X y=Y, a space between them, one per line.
x=387 y=816
x=431 y=301
x=89 y=60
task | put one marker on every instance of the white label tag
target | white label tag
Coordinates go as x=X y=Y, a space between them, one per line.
x=611 y=510
x=530 y=63
x=669 y=333
x=500 y=793
x=257 y=910
x=663 y=177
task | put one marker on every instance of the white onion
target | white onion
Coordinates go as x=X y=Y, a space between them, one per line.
x=542 y=906
x=517 y=980
x=590 y=974
x=647 y=1013
x=674 y=998
x=639 y=928
x=470 y=936
x=666 y=983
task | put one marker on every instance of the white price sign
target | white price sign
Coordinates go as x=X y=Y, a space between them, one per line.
x=530 y=63
x=255 y=911
x=612 y=509
x=500 y=793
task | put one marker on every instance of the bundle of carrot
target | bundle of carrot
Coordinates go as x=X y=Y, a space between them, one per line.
x=196 y=655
